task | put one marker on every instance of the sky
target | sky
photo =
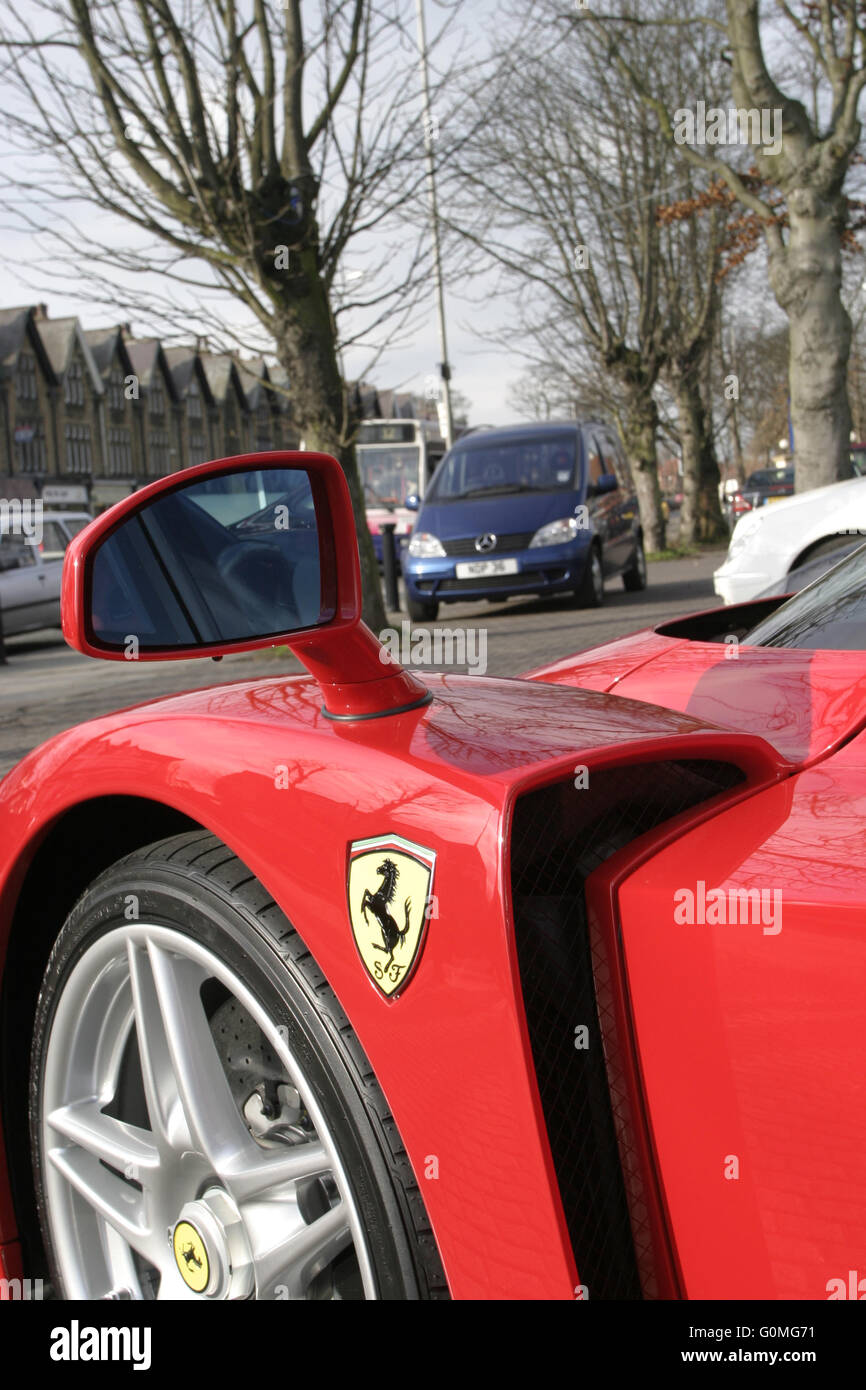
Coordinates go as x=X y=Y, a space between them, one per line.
x=481 y=372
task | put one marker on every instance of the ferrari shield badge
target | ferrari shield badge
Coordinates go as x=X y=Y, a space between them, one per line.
x=390 y=889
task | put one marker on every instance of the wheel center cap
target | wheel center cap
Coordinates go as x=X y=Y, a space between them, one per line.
x=210 y=1247
x=190 y=1253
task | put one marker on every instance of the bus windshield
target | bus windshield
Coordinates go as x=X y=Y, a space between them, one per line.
x=389 y=475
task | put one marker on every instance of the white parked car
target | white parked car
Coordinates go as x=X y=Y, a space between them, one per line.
x=770 y=542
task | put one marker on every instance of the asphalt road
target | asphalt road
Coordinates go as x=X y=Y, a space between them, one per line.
x=46 y=687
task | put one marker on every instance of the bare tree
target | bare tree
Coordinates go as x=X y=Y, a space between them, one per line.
x=795 y=192
x=247 y=144
x=560 y=192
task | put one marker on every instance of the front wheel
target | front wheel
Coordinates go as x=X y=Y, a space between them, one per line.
x=204 y=1123
x=635 y=578
x=590 y=591
x=422 y=610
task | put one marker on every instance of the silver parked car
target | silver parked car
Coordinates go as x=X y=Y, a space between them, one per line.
x=30 y=573
x=29 y=587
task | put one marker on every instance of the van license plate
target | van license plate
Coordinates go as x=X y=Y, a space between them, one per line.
x=483 y=569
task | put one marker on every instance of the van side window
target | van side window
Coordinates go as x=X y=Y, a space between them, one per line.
x=616 y=456
x=595 y=465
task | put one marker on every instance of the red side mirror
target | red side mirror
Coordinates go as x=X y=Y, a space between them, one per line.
x=247 y=552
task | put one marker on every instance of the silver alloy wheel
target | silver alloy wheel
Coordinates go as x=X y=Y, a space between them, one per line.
x=267 y=1200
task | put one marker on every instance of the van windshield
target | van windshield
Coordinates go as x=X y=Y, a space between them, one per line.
x=531 y=463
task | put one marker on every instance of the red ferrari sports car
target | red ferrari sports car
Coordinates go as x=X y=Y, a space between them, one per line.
x=365 y=984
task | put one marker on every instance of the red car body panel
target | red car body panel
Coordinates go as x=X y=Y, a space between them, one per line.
x=760 y=1057
x=726 y=1046
x=805 y=703
x=452 y=1054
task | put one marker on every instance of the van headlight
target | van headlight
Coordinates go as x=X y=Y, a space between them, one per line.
x=423 y=546
x=556 y=532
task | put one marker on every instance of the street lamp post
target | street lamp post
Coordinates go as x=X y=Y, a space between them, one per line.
x=444 y=366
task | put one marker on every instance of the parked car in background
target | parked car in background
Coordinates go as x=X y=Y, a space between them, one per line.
x=58 y=529
x=769 y=542
x=29 y=587
x=764 y=486
x=30 y=573
x=814 y=568
x=528 y=509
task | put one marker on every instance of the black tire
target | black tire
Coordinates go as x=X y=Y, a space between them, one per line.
x=589 y=593
x=194 y=885
x=422 y=610
x=635 y=577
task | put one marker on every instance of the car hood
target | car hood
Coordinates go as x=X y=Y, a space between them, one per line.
x=505 y=515
x=805 y=703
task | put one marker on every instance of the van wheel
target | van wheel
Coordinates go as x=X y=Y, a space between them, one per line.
x=422 y=610
x=590 y=591
x=634 y=578
x=203 y=1120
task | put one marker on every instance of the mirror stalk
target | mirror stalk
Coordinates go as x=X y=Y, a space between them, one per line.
x=358 y=677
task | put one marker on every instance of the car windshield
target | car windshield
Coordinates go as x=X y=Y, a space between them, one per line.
x=532 y=463
x=830 y=614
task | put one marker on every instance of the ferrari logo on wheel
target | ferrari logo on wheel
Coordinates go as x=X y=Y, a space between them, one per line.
x=191 y=1256
x=390 y=888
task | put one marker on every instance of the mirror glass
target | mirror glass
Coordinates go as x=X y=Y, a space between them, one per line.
x=229 y=558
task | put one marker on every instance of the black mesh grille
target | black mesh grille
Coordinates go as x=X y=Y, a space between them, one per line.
x=560 y=835
x=465 y=545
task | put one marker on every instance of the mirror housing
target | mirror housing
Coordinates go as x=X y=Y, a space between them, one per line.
x=413 y=502
x=357 y=676
x=608 y=482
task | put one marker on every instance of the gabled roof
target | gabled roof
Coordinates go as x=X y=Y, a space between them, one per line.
x=60 y=337
x=104 y=343
x=182 y=365
x=254 y=376
x=17 y=326
x=222 y=376
x=280 y=382
x=148 y=357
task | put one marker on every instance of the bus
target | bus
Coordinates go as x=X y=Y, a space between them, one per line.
x=396 y=460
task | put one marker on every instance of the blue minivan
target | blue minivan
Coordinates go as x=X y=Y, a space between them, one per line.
x=528 y=509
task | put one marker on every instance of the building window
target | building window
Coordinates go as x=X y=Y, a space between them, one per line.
x=263 y=434
x=30 y=454
x=119 y=452
x=79 y=455
x=26 y=388
x=198 y=450
x=160 y=452
x=193 y=402
x=157 y=398
x=73 y=387
x=116 y=398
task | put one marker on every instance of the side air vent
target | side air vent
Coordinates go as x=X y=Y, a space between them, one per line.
x=559 y=836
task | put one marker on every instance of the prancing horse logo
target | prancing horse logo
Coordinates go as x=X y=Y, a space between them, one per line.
x=378 y=904
x=390 y=884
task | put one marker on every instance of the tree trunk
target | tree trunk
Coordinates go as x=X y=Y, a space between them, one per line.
x=306 y=352
x=640 y=427
x=701 y=516
x=806 y=277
